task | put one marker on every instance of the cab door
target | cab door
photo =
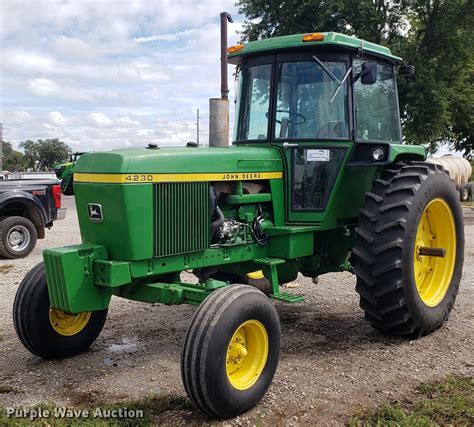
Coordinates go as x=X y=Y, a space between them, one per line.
x=311 y=126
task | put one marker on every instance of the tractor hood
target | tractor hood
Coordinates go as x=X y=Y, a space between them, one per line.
x=119 y=166
x=129 y=200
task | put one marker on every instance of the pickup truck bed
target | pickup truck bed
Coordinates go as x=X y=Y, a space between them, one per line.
x=27 y=208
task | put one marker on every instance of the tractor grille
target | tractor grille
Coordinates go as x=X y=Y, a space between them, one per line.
x=183 y=217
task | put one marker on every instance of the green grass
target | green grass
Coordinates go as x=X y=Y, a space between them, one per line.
x=449 y=402
x=152 y=407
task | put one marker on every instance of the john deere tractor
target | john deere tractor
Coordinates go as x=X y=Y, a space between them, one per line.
x=317 y=180
x=64 y=172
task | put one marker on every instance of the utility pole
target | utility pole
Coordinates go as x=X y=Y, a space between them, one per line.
x=197 y=127
x=1 y=147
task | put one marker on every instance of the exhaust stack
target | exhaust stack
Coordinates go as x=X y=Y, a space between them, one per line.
x=219 y=107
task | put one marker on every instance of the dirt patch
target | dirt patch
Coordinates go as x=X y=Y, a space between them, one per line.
x=5 y=268
x=332 y=361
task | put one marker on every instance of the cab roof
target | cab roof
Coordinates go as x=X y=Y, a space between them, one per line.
x=331 y=40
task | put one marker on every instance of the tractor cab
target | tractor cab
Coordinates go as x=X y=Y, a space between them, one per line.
x=313 y=96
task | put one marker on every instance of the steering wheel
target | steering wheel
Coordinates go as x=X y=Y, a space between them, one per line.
x=293 y=120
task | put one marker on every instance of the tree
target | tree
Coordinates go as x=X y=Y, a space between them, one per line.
x=437 y=104
x=434 y=35
x=43 y=154
x=12 y=160
x=372 y=20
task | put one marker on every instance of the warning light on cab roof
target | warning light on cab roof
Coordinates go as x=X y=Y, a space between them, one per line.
x=235 y=48
x=313 y=37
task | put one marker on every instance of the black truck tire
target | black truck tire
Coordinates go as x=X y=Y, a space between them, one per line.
x=409 y=211
x=47 y=332
x=231 y=351
x=18 y=237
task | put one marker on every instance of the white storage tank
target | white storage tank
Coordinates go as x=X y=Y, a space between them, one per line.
x=460 y=170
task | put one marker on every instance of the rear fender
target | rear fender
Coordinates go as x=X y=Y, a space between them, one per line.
x=31 y=208
x=403 y=152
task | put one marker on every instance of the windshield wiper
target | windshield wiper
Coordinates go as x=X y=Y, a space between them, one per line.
x=333 y=77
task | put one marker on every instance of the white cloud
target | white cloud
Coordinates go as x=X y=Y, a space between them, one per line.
x=58 y=119
x=53 y=89
x=73 y=47
x=127 y=121
x=97 y=73
x=100 y=119
x=172 y=37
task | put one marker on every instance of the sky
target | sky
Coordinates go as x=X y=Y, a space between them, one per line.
x=106 y=74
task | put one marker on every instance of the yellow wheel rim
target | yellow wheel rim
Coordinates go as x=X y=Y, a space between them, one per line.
x=247 y=354
x=436 y=229
x=68 y=324
x=256 y=275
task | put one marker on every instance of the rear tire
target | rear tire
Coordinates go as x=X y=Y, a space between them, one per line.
x=49 y=333
x=18 y=237
x=231 y=351
x=398 y=288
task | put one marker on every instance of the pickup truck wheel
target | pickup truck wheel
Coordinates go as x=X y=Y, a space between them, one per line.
x=47 y=332
x=409 y=250
x=231 y=351
x=18 y=237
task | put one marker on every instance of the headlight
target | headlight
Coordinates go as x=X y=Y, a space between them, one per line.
x=378 y=154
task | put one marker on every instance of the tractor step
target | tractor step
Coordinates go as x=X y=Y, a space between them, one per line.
x=287 y=297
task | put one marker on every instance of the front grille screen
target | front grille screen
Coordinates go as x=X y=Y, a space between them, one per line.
x=183 y=217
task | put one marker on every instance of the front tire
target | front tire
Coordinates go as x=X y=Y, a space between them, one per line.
x=18 y=237
x=50 y=333
x=409 y=211
x=231 y=351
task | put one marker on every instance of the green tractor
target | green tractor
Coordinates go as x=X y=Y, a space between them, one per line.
x=64 y=172
x=317 y=180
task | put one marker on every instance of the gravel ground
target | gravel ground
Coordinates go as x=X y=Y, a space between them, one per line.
x=332 y=362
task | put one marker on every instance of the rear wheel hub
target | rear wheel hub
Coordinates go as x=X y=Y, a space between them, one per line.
x=436 y=232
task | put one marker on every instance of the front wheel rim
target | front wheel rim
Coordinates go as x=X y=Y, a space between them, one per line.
x=436 y=230
x=256 y=275
x=18 y=238
x=68 y=324
x=247 y=354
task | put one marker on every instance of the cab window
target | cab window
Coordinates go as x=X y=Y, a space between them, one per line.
x=253 y=103
x=309 y=104
x=376 y=109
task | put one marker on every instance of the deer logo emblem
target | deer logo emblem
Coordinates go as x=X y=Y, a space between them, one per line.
x=94 y=211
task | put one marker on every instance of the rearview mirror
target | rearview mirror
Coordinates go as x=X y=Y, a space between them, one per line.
x=368 y=74
x=406 y=70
